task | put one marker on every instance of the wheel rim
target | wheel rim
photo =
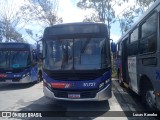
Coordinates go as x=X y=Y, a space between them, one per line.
x=150 y=98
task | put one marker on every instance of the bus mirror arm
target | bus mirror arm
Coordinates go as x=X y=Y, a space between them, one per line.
x=113 y=47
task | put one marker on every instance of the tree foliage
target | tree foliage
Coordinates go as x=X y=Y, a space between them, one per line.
x=103 y=10
x=43 y=11
x=36 y=37
x=10 y=17
x=144 y=3
x=128 y=15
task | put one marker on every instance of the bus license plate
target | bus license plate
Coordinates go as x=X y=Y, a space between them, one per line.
x=9 y=81
x=74 y=96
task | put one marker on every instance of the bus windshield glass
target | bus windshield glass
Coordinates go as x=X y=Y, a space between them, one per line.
x=75 y=54
x=14 y=59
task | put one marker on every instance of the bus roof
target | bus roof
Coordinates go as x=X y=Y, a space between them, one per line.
x=76 y=23
x=76 y=30
x=14 y=45
x=150 y=10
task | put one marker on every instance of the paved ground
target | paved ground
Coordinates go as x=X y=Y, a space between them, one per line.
x=29 y=97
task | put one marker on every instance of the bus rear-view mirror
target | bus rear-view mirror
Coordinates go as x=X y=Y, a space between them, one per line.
x=41 y=57
x=113 y=47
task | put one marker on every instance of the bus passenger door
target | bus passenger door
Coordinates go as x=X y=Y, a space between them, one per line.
x=132 y=66
x=125 y=61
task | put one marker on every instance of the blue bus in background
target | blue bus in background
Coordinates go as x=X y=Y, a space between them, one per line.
x=77 y=62
x=18 y=63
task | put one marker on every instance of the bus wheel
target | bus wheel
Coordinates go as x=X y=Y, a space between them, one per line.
x=148 y=97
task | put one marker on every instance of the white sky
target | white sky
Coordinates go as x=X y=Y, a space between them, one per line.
x=71 y=13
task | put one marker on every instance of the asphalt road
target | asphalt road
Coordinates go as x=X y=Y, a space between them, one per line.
x=30 y=97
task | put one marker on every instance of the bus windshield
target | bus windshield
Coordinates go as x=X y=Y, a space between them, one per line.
x=14 y=59
x=77 y=54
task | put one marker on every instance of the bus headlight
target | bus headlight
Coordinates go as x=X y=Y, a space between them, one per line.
x=101 y=85
x=26 y=74
x=107 y=81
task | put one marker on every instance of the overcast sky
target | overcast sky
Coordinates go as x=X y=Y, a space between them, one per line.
x=71 y=13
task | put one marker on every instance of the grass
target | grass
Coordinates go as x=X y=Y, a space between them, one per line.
x=114 y=73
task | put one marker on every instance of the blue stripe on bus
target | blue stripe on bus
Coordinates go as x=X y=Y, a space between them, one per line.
x=31 y=71
x=13 y=75
x=80 y=84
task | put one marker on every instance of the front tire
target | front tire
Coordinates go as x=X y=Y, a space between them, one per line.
x=148 y=96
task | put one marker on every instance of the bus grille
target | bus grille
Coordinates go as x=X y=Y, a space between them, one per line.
x=76 y=76
x=13 y=79
x=84 y=94
x=11 y=70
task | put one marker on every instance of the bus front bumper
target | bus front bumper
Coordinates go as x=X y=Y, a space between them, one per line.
x=26 y=79
x=102 y=95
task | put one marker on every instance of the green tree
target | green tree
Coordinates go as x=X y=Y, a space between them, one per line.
x=103 y=10
x=128 y=15
x=43 y=11
x=12 y=18
x=36 y=37
x=144 y=4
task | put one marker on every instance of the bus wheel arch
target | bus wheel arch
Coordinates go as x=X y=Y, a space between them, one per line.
x=147 y=93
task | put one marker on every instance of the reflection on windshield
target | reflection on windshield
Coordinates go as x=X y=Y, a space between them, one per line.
x=3 y=59
x=87 y=53
x=78 y=54
x=19 y=59
x=14 y=59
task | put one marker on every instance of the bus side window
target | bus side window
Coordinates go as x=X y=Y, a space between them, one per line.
x=120 y=49
x=149 y=35
x=133 y=46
